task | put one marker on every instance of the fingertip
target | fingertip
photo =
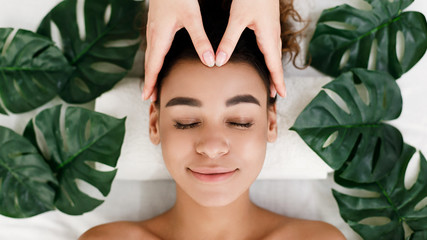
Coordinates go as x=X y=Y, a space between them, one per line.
x=143 y=95
x=146 y=94
x=283 y=94
x=208 y=58
x=279 y=83
x=145 y=91
x=282 y=91
x=273 y=93
x=153 y=96
x=221 y=58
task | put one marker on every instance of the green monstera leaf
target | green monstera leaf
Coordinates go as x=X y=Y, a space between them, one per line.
x=352 y=135
x=102 y=57
x=420 y=235
x=32 y=70
x=25 y=178
x=346 y=36
x=392 y=203
x=73 y=144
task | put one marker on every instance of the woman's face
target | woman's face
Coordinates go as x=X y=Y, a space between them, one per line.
x=213 y=125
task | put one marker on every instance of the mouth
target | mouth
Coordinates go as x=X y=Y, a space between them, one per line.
x=213 y=175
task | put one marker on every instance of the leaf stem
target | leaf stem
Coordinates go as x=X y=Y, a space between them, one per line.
x=86 y=50
x=70 y=159
x=379 y=27
x=387 y=196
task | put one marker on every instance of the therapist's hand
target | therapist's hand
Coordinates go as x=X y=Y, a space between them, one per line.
x=263 y=17
x=165 y=18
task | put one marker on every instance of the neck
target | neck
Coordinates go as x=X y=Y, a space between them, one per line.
x=190 y=220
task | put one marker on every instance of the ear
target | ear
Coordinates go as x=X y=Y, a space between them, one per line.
x=153 y=123
x=272 y=123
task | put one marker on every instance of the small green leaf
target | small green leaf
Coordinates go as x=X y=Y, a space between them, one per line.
x=24 y=178
x=84 y=137
x=363 y=31
x=32 y=71
x=359 y=141
x=100 y=63
x=393 y=201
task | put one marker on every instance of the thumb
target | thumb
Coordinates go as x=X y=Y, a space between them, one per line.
x=228 y=42
x=200 y=41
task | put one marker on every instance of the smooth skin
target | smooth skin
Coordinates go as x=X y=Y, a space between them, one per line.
x=166 y=17
x=207 y=130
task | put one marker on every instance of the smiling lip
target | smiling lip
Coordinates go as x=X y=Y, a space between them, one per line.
x=212 y=175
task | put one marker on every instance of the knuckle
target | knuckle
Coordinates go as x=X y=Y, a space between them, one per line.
x=239 y=20
x=227 y=43
x=190 y=17
x=193 y=24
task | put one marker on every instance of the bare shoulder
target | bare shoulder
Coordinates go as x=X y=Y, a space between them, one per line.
x=118 y=230
x=293 y=228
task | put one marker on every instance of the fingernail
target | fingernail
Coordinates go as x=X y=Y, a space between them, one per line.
x=220 y=58
x=143 y=95
x=209 y=58
x=273 y=93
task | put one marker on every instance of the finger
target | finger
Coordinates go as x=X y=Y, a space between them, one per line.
x=200 y=40
x=229 y=40
x=141 y=87
x=278 y=79
x=153 y=96
x=271 y=48
x=160 y=43
x=273 y=91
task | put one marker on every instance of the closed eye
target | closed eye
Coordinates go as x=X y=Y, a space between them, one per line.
x=183 y=126
x=241 y=125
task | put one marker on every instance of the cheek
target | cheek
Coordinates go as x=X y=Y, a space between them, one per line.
x=250 y=147
x=176 y=147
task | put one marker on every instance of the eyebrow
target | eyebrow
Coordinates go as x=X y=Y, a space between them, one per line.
x=192 y=102
x=247 y=98
x=184 y=101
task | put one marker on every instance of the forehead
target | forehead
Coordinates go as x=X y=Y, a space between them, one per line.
x=190 y=78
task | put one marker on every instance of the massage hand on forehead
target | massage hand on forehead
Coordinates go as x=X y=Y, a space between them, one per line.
x=166 y=17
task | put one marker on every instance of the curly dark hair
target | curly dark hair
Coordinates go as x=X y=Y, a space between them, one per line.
x=289 y=35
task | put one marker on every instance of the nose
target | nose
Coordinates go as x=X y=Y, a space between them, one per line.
x=212 y=145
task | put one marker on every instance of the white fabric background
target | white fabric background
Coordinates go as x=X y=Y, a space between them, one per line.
x=136 y=200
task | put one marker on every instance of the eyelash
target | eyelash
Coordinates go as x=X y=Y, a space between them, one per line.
x=241 y=125
x=181 y=126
